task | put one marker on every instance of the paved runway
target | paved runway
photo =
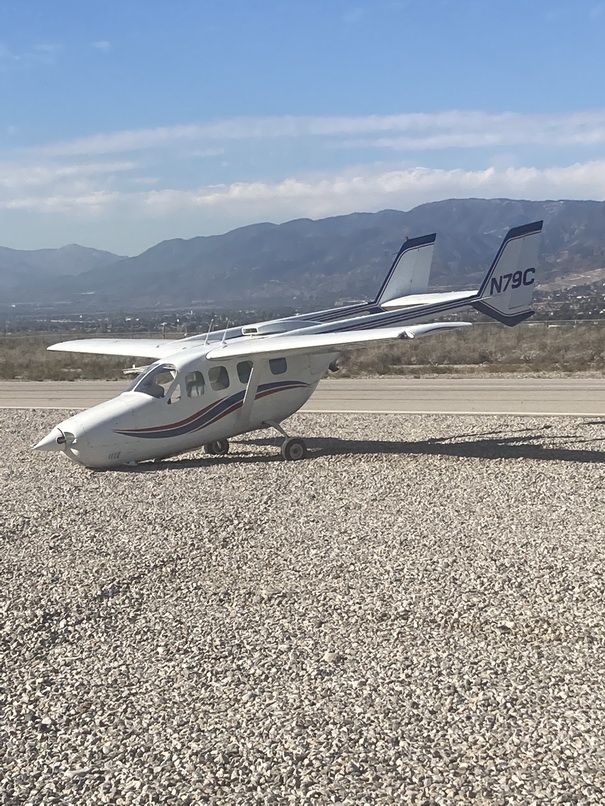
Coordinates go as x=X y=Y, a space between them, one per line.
x=542 y=396
x=577 y=396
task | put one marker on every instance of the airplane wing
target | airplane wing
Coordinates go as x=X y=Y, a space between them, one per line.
x=323 y=342
x=137 y=348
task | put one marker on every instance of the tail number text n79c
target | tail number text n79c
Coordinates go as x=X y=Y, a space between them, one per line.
x=514 y=280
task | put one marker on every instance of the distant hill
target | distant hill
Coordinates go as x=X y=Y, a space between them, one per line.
x=306 y=263
x=23 y=271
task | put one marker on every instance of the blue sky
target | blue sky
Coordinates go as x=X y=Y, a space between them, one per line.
x=124 y=123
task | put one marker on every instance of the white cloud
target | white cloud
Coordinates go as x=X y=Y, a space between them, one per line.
x=88 y=203
x=401 y=188
x=48 y=49
x=146 y=180
x=14 y=176
x=102 y=44
x=408 y=131
x=479 y=129
x=125 y=140
x=74 y=180
x=206 y=153
x=44 y=53
x=316 y=196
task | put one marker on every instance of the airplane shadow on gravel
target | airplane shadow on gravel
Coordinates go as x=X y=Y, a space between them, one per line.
x=526 y=443
x=525 y=446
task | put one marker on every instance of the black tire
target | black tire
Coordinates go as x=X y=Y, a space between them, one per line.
x=293 y=449
x=218 y=448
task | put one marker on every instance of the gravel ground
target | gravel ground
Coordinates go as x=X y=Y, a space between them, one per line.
x=416 y=614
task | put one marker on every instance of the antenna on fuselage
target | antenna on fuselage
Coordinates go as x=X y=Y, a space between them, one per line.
x=208 y=331
x=224 y=341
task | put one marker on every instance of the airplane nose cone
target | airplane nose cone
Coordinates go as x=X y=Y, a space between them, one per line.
x=51 y=442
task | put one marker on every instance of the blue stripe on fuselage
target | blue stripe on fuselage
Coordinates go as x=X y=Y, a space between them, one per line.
x=210 y=414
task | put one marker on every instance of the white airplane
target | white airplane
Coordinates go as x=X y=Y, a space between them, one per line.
x=203 y=390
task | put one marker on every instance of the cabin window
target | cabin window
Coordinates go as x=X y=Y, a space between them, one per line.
x=244 y=368
x=157 y=381
x=195 y=384
x=278 y=366
x=219 y=378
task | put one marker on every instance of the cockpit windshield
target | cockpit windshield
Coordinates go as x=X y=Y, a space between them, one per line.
x=156 y=381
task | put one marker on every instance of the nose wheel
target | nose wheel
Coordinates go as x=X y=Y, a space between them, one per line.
x=218 y=448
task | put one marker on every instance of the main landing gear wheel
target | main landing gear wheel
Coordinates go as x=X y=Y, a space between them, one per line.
x=218 y=448
x=293 y=449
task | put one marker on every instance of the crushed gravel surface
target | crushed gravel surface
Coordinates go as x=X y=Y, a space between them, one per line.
x=415 y=614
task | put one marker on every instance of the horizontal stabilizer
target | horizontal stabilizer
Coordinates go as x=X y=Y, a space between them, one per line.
x=135 y=348
x=426 y=299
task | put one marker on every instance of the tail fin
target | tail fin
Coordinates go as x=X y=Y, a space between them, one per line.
x=508 y=288
x=410 y=271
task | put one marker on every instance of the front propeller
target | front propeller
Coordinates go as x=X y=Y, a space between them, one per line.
x=52 y=442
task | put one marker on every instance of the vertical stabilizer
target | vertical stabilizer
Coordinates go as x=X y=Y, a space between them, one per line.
x=507 y=291
x=410 y=271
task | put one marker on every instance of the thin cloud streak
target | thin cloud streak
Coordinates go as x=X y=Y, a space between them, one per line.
x=409 y=131
x=396 y=188
x=85 y=204
x=44 y=53
x=18 y=176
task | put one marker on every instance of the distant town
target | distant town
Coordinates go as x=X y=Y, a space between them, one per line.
x=582 y=302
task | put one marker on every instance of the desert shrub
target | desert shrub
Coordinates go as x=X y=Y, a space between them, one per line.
x=480 y=349
x=25 y=357
x=492 y=348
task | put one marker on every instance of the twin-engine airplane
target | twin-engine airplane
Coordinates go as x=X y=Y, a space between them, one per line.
x=202 y=390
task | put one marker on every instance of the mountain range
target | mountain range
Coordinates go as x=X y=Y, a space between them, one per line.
x=22 y=271
x=311 y=262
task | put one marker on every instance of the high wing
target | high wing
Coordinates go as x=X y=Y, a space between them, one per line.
x=408 y=274
x=135 y=348
x=323 y=342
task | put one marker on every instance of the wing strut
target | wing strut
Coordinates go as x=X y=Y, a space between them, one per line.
x=258 y=365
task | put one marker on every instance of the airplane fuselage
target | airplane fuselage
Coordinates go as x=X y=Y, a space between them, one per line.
x=171 y=409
